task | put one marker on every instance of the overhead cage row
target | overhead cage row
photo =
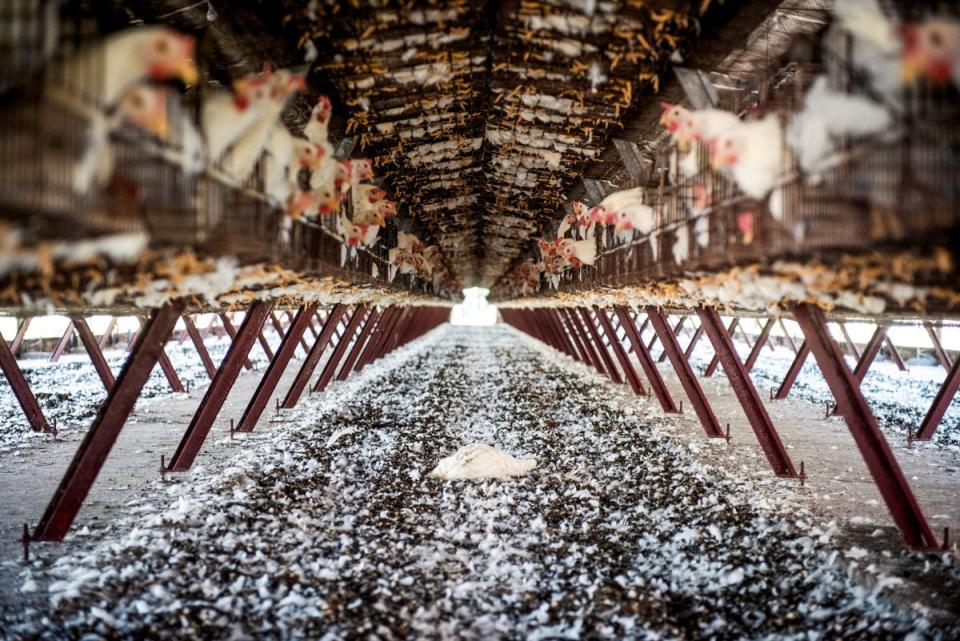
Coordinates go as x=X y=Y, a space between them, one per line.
x=109 y=125
x=849 y=150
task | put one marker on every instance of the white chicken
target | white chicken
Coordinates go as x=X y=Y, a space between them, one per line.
x=827 y=115
x=240 y=161
x=752 y=154
x=932 y=51
x=226 y=116
x=316 y=130
x=100 y=75
x=481 y=461
x=276 y=169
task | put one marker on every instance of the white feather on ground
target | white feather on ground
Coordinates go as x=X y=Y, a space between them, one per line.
x=481 y=461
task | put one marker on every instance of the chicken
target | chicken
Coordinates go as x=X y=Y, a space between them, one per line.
x=480 y=461
x=226 y=116
x=356 y=235
x=578 y=253
x=827 y=115
x=932 y=51
x=876 y=47
x=681 y=244
x=100 y=75
x=367 y=203
x=143 y=106
x=316 y=129
x=246 y=151
x=276 y=169
x=752 y=153
x=636 y=217
x=672 y=118
x=706 y=124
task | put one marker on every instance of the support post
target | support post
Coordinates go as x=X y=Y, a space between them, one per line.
x=278 y=364
x=232 y=332
x=940 y=403
x=63 y=344
x=894 y=354
x=687 y=379
x=938 y=350
x=592 y=356
x=745 y=391
x=373 y=319
x=374 y=349
x=608 y=363
x=330 y=368
x=758 y=346
x=197 y=340
x=646 y=362
x=795 y=368
x=313 y=356
x=112 y=415
x=105 y=339
x=93 y=350
x=676 y=332
x=219 y=388
x=21 y=389
x=628 y=370
x=18 y=339
x=863 y=427
x=715 y=361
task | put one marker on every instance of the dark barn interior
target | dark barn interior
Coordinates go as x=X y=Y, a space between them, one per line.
x=534 y=319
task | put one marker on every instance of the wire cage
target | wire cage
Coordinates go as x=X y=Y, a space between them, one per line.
x=897 y=186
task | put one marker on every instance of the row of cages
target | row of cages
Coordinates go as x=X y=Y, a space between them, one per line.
x=898 y=187
x=70 y=169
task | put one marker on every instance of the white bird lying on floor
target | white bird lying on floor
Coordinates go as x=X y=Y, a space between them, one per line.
x=481 y=461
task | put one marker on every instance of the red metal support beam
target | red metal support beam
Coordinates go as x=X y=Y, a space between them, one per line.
x=697 y=335
x=276 y=368
x=863 y=427
x=18 y=338
x=715 y=361
x=685 y=374
x=745 y=391
x=349 y=334
x=403 y=323
x=869 y=354
x=851 y=345
x=197 y=340
x=93 y=350
x=232 y=332
x=313 y=356
x=646 y=362
x=608 y=363
x=363 y=337
x=592 y=357
x=553 y=318
x=111 y=416
x=787 y=337
x=265 y=345
x=212 y=402
x=938 y=350
x=63 y=344
x=170 y=372
x=21 y=389
x=633 y=379
x=940 y=403
x=676 y=332
x=377 y=343
x=894 y=354
x=107 y=334
x=762 y=339
x=584 y=356
x=795 y=368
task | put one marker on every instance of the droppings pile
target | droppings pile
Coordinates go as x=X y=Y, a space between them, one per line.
x=327 y=526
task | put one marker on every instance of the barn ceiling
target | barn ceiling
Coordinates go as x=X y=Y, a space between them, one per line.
x=482 y=116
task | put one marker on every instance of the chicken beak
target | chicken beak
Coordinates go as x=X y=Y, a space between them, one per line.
x=161 y=127
x=187 y=71
x=911 y=68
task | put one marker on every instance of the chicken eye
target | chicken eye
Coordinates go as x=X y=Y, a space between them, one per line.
x=935 y=38
x=161 y=46
x=136 y=101
x=727 y=143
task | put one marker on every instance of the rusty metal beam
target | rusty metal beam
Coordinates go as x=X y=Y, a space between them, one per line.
x=745 y=391
x=374 y=349
x=863 y=427
x=197 y=340
x=18 y=338
x=715 y=361
x=608 y=363
x=113 y=413
x=93 y=350
x=628 y=370
x=105 y=338
x=646 y=362
x=676 y=332
x=366 y=330
x=592 y=357
x=170 y=372
x=795 y=368
x=232 y=332
x=894 y=354
x=685 y=374
x=758 y=346
x=274 y=372
x=330 y=368
x=313 y=356
x=938 y=350
x=21 y=389
x=787 y=337
x=63 y=344
x=941 y=403
x=216 y=394
x=851 y=345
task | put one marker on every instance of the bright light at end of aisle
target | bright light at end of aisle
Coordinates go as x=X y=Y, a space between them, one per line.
x=474 y=310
